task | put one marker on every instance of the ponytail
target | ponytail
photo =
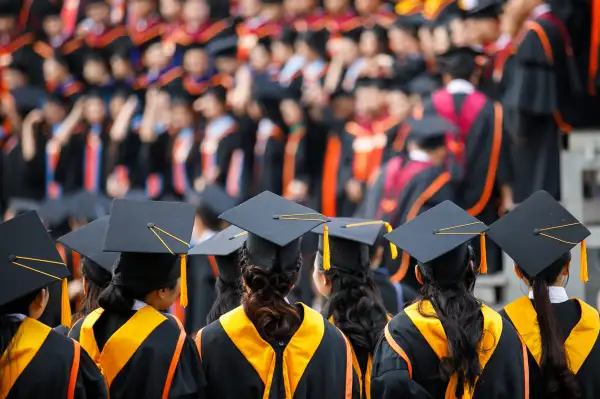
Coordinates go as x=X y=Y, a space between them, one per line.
x=229 y=297
x=264 y=301
x=356 y=306
x=460 y=314
x=559 y=381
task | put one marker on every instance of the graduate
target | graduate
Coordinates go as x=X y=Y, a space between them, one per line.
x=95 y=265
x=223 y=250
x=36 y=359
x=261 y=19
x=143 y=27
x=274 y=348
x=59 y=80
x=143 y=351
x=409 y=185
x=561 y=334
x=447 y=344
x=98 y=32
x=354 y=303
x=540 y=98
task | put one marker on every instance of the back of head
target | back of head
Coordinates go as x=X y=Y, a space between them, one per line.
x=559 y=381
x=450 y=290
x=96 y=280
x=264 y=301
x=228 y=285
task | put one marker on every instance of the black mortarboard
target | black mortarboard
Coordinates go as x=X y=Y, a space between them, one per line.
x=89 y=206
x=223 y=47
x=538 y=232
x=410 y=23
x=481 y=8
x=350 y=240
x=288 y=36
x=87 y=241
x=458 y=61
x=22 y=205
x=430 y=131
x=30 y=261
x=424 y=85
x=151 y=227
x=54 y=212
x=210 y=203
x=10 y=8
x=224 y=247
x=437 y=232
x=27 y=98
x=275 y=226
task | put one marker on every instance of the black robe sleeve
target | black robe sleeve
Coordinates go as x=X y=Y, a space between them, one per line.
x=90 y=382
x=225 y=150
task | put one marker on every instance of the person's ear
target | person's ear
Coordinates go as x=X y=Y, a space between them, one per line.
x=37 y=307
x=418 y=274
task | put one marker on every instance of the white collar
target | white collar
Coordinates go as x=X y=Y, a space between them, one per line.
x=16 y=316
x=540 y=10
x=556 y=294
x=419 y=155
x=137 y=305
x=460 y=86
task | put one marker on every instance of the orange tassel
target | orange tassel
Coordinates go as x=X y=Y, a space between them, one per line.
x=65 y=305
x=583 y=265
x=483 y=259
x=183 y=296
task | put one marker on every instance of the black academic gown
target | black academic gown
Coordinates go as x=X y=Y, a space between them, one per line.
x=404 y=189
x=396 y=296
x=540 y=92
x=579 y=325
x=268 y=156
x=316 y=362
x=59 y=368
x=202 y=293
x=406 y=365
x=143 y=355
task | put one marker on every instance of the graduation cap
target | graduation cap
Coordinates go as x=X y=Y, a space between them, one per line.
x=54 y=211
x=410 y=23
x=458 y=61
x=30 y=262
x=22 y=205
x=481 y=8
x=223 y=47
x=89 y=206
x=211 y=202
x=275 y=226
x=27 y=98
x=87 y=241
x=430 y=131
x=538 y=232
x=224 y=246
x=288 y=36
x=436 y=233
x=424 y=84
x=10 y=8
x=350 y=240
x=152 y=227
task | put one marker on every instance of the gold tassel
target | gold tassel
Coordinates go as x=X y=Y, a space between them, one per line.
x=393 y=248
x=183 y=296
x=326 y=259
x=65 y=305
x=483 y=259
x=583 y=266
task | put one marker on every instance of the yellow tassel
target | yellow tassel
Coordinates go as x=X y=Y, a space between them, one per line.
x=326 y=259
x=583 y=267
x=483 y=259
x=183 y=296
x=65 y=305
x=393 y=248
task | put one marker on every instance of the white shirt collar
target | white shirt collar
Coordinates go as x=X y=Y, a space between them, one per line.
x=16 y=316
x=137 y=305
x=557 y=294
x=540 y=10
x=419 y=155
x=460 y=86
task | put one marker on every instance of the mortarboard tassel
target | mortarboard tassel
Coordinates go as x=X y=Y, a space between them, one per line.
x=183 y=296
x=326 y=264
x=65 y=305
x=393 y=248
x=483 y=258
x=583 y=266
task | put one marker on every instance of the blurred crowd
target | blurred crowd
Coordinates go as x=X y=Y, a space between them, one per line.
x=316 y=100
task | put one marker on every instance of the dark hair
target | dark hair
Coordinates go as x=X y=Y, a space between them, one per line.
x=264 y=302
x=122 y=291
x=8 y=327
x=356 y=306
x=460 y=314
x=96 y=280
x=229 y=297
x=559 y=381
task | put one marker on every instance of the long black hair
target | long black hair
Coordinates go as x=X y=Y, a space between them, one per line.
x=356 y=306
x=229 y=297
x=96 y=280
x=8 y=328
x=459 y=312
x=264 y=301
x=559 y=381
